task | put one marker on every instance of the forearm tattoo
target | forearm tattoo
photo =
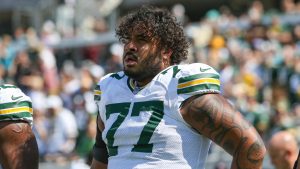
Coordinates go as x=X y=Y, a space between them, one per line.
x=215 y=118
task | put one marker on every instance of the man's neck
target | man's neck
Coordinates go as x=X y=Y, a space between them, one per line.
x=143 y=83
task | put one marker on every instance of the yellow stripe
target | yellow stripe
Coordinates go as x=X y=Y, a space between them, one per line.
x=198 y=82
x=16 y=110
x=132 y=85
x=97 y=92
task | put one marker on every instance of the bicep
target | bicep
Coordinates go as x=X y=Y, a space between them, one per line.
x=214 y=117
x=18 y=145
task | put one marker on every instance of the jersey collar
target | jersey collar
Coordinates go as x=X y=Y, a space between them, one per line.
x=133 y=86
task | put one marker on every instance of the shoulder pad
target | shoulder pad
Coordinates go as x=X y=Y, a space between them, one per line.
x=197 y=78
x=14 y=104
x=104 y=81
x=11 y=93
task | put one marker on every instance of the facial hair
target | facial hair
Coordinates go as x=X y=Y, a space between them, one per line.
x=148 y=68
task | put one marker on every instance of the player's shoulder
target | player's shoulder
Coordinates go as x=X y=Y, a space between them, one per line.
x=11 y=93
x=15 y=104
x=6 y=87
x=193 y=78
x=109 y=80
x=187 y=70
x=196 y=71
x=111 y=77
x=198 y=78
x=13 y=97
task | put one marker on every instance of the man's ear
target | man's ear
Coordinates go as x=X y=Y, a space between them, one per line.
x=166 y=54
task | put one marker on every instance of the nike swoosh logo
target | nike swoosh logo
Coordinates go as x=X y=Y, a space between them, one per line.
x=15 y=97
x=204 y=70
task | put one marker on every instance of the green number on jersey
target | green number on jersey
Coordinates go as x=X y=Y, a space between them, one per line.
x=156 y=107
x=122 y=109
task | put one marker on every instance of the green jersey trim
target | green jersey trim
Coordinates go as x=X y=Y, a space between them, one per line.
x=200 y=83
x=198 y=88
x=198 y=76
x=15 y=105
x=6 y=86
x=16 y=116
x=130 y=84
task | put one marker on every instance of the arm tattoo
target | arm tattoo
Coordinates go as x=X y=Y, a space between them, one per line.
x=254 y=151
x=215 y=118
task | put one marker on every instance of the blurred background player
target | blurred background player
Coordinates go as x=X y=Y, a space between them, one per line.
x=18 y=147
x=283 y=150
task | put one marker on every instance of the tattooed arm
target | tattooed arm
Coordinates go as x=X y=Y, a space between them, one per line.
x=18 y=146
x=215 y=118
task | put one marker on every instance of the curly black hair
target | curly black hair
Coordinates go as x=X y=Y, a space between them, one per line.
x=162 y=25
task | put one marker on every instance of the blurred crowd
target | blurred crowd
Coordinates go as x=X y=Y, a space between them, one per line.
x=258 y=57
x=257 y=54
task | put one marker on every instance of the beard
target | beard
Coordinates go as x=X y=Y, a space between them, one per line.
x=146 y=69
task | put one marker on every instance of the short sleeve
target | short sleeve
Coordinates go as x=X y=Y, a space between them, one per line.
x=14 y=104
x=197 y=79
x=97 y=89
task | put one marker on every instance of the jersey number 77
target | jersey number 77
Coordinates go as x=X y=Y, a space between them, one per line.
x=142 y=145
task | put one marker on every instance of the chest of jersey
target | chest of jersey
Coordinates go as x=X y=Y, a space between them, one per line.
x=131 y=121
x=146 y=130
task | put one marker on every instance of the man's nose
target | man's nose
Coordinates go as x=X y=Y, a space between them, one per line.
x=131 y=46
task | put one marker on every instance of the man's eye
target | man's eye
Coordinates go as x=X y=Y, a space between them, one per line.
x=124 y=40
x=142 y=39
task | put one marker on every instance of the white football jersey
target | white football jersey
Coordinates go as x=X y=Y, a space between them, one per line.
x=14 y=104
x=146 y=130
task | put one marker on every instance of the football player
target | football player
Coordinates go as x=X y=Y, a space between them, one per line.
x=18 y=146
x=159 y=114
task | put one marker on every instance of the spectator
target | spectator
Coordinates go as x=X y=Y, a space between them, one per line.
x=62 y=131
x=283 y=150
x=256 y=53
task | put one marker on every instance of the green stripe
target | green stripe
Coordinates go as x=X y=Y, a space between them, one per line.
x=157 y=109
x=97 y=87
x=129 y=86
x=198 y=76
x=15 y=104
x=15 y=116
x=165 y=71
x=5 y=86
x=207 y=86
x=122 y=109
x=97 y=97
